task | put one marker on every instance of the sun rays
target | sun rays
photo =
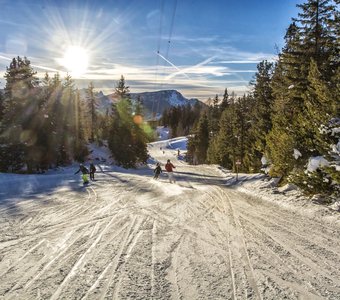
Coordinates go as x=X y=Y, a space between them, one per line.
x=75 y=60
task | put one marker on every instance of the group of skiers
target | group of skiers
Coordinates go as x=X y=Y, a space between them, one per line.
x=85 y=171
x=158 y=170
x=168 y=167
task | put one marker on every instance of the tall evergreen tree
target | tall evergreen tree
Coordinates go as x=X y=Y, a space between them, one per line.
x=20 y=104
x=2 y=107
x=225 y=101
x=309 y=38
x=19 y=96
x=223 y=148
x=199 y=142
x=121 y=90
x=263 y=106
x=127 y=141
x=92 y=105
x=214 y=116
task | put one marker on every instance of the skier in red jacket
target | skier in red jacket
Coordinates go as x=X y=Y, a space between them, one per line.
x=169 y=168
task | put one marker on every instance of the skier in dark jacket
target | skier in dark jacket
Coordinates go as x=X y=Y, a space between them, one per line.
x=157 y=171
x=92 y=171
x=84 y=171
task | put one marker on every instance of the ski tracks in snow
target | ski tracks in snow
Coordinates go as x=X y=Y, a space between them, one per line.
x=129 y=239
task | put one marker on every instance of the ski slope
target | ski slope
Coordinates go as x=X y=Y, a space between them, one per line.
x=127 y=236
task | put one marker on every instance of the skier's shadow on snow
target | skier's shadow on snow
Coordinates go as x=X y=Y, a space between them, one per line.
x=115 y=177
x=198 y=178
x=109 y=173
x=197 y=175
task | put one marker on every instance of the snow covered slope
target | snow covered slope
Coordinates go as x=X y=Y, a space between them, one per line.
x=127 y=236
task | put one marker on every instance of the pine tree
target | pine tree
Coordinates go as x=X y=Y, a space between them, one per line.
x=200 y=141
x=121 y=90
x=223 y=148
x=127 y=141
x=214 y=116
x=309 y=38
x=263 y=106
x=2 y=98
x=53 y=112
x=19 y=95
x=225 y=101
x=317 y=19
x=20 y=105
x=318 y=124
x=92 y=105
x=80 y=149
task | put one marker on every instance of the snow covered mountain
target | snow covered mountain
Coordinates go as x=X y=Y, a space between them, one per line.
x=153 y=102
x=157 y=102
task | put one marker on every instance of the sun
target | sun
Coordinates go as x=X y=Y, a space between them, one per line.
x=75 y=60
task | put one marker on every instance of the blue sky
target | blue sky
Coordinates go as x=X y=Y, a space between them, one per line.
x=213 y=44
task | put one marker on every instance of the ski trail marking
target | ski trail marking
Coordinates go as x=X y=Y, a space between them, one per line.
x=95 y=194
x=238 y=228
x=22 y=257
x=101 y=276
x=133 y=242
x=80 y=261
x=46 y=267
x=116 y=260
x=177 y=288
x=220 y=236
x=302 y=257
x=325 y=243
x=99 y=250
x=283 y=264
x=153 y=238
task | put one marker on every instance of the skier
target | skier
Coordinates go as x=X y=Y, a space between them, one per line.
x=157 y=171
x=169 y=168
x=92 y=171
x=84 y=172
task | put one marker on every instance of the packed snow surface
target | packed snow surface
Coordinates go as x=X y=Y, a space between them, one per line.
x=127 y=236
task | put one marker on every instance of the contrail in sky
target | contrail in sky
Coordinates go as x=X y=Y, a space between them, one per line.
x=35 y=66
x=4 y=57
x=171 y=64
x=190 y=68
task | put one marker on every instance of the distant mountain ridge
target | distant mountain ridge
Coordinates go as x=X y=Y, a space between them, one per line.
x=154 y=103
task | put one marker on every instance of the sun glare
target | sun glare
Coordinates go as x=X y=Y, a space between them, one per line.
x=76 y=60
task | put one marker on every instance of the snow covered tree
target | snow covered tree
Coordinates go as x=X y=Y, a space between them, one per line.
x=310 y=37
x=319 y=124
